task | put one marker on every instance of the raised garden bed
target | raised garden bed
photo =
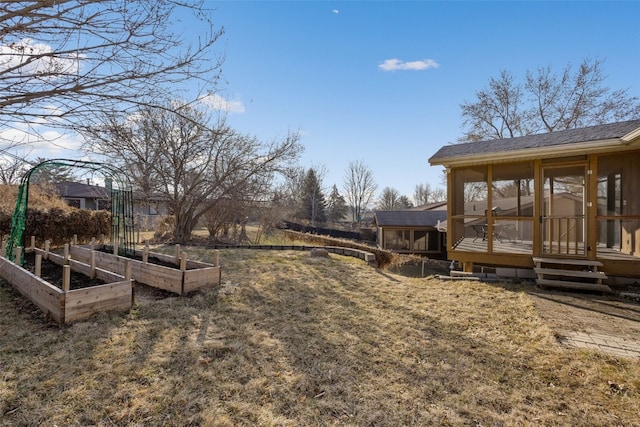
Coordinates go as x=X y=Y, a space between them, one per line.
x=171 y=273
x=73 y=304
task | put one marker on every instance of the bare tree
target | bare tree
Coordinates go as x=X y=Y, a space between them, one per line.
x=12 y=168
x=388 y=200
x=360 y=188
x=424 y=194
x=546 y=102
x=193 y=166
x=62 y=62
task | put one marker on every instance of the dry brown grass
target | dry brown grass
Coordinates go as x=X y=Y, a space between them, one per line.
x=291 y=340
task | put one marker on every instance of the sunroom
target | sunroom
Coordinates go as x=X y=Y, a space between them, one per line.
x=572 y=194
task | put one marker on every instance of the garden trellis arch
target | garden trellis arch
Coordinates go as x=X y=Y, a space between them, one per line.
x=122 y=223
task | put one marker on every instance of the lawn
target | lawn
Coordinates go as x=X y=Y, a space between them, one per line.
x=291 y=340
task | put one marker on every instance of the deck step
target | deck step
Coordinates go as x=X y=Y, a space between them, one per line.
x=599 y=275
x=564 y=284
x=567 y=261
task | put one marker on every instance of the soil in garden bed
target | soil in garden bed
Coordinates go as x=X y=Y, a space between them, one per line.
x=52 y=273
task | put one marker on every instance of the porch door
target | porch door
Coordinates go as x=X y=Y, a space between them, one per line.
x=564 y=228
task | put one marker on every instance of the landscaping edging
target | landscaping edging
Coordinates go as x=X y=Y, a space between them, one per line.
x=368 y=257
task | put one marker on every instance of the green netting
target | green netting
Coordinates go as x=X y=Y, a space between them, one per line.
x=122 y=224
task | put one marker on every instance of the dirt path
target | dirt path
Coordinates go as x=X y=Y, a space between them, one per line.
x=588 y=320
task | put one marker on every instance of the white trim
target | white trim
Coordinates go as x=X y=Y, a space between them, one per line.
x=631 y=136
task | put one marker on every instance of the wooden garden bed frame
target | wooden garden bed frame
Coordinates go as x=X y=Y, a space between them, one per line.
x=187 y=276
x=70 y=305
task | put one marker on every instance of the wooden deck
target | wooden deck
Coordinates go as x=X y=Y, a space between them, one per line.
x=524 y=247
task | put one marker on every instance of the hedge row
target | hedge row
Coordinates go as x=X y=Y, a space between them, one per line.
x=60 y=226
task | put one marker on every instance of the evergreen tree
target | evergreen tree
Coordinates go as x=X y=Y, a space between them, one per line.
x=336 y=206
x=312 y=201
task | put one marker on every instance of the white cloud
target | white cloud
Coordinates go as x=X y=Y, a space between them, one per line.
x=22 y=53
x=336 y=11
x=36 y=141
x=217 y=102
x=397 y=64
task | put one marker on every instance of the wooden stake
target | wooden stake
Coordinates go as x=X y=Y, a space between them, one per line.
x=33 y=242
x=3 y=248
x=127 y=270
x=75 y=240
x=18 y=254
x=102 y=239
x=183 y=261
x=216 y=258
x=66 y=278
x=93 y=243
x=177 y=254
x=38 y=269
x=93 y=264
x=145 y=255
x=66 y=253
x=115 y=248
x=47 y=246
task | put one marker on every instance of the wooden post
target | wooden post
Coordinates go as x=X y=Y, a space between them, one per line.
x=216 y=258
x=93 y=264
x=66 y=253
x=93 y=243
x=115 y=248
x=18 y=255
x=47 y=247
x=33 y=243
x=183 y=261
x=146 y=243
x=177 y=254
x=127 y=270
x=38 y=269
x=145 y=255
x=66 y=278
x=3 y=248
x=75 y=240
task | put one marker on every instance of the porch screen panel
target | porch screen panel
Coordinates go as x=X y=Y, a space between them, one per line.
x=512 y=196
x=618 y=214
x=469 y=205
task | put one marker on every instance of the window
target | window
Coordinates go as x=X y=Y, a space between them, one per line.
x=396 y=239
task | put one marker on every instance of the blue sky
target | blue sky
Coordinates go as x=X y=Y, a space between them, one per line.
x=318 y=67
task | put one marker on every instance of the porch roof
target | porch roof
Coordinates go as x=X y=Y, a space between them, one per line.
x=409 y=218
x=566 y=143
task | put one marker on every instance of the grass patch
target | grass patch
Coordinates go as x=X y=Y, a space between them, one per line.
x=291 y=340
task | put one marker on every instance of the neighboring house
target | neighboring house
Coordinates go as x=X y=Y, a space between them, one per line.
x=572 y=194
x=411 y=231
x=94 y=197
x=84 y=196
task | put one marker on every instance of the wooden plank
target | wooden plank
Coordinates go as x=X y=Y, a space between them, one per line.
x=82 y=303
x=108 y=276
x=201 y=279
x=457 y=273
x=571 y=273
x=157 y=276
x=568 y=261
x=573 y=285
